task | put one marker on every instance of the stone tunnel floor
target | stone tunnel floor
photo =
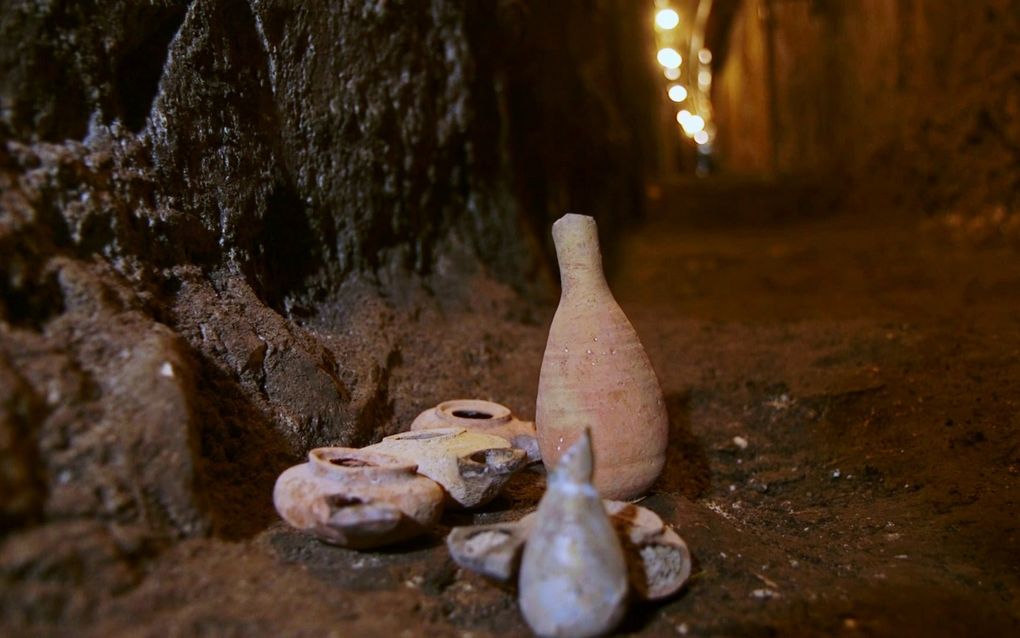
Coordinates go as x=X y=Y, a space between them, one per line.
x=845 y=453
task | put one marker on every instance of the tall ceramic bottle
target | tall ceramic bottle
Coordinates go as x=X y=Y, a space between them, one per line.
x=595 y=374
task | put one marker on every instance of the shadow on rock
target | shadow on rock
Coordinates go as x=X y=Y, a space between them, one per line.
x=242 y=454
x=377 y=570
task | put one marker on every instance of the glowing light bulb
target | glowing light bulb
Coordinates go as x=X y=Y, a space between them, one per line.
x=673 y=74
x=667 y=19
x=701 y=137
x=669 y=58
x=704 y=78
x=705 y=56
x=682 y=118
x=693 y=124
x=677 y=93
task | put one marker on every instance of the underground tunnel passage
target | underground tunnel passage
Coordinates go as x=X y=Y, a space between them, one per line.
x=250 y=249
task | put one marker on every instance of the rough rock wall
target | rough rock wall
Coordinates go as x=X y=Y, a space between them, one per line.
x=581 y=71
x=218 y=219
x=918 y=100
x=741 y=99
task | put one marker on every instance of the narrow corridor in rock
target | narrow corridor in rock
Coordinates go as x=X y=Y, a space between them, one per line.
x=239 y=238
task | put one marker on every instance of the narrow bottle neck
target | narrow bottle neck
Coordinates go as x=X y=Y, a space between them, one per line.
x=582 y=279
x=577 y=251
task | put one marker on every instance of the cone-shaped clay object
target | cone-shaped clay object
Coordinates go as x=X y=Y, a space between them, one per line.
x=596 y=374
x=573 y=579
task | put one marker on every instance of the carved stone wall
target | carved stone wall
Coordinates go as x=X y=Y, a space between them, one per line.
x=917 y=102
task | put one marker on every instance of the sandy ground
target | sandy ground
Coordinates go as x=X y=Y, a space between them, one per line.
x=845 y=455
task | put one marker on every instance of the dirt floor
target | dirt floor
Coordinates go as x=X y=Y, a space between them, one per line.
x=845 y=452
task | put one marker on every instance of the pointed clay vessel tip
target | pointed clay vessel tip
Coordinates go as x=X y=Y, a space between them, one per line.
x=576 y=463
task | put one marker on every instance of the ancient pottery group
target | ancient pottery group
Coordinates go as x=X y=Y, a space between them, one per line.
x=397 y=488
x=566 y=556
x=600 y=429
x=658 y=561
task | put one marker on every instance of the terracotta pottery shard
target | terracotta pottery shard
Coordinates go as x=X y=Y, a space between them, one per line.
x=494 y=551
x=471 y=467
x=658 y=561
x=357 y=498
x=573 y=580
x=595 y=374
x=485 y=417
